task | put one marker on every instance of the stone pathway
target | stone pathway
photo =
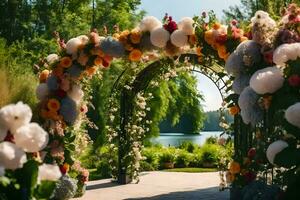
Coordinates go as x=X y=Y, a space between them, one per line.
x=160 y=186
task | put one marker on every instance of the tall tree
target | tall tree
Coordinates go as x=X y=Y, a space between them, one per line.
x=247 y=8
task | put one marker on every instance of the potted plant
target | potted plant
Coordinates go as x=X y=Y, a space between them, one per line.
x=167 y=160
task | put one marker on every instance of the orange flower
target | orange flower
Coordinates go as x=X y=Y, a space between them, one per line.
x=98 y=61
x=234 y=167
x=243 y=38
x=91 y=70
x=192 y=39
x=44 y=75
x=58 y=71
x=97 y=52
x=128 y=47
x=216 y=26
x=208 y=37
x=222 y=52
x=53 y=115
x=135 y=55
x=53 y=105
x=198 y=51
x=135 y=36
x=66 y=62
x=44 y=114
x=83 y=59
x=234 y=110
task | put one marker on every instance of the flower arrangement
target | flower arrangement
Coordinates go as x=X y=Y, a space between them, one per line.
x=269 y=100
x=23 y=175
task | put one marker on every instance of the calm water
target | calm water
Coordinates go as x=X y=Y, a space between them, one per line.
x=175 y=139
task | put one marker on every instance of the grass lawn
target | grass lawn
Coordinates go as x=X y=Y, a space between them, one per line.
x=191 y=170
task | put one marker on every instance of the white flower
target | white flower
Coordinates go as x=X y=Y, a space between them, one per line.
x=179 y=38
x=52 y=58
x=73 y=45
x=292 y=114
x=186 y=25
x=49 y=172
x=2 y=171
x=31 y=138
x=286 y=52
x=159 y=37
x=149 y=23
x=267 y=80
x=275 y=148
x=76 y=93
x=84 y=39
x=14 y=116
x=11 y=156
x=42 y=91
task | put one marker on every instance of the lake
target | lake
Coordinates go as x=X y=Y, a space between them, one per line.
x=175 y=139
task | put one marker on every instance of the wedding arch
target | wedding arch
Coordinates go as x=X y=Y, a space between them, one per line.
x=256 y=68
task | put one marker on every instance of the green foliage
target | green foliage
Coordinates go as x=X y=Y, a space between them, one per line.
x=212 y=121
x=174 y=99
x=188 y=146
x=247 y=9
x=211 y=153
x=183 y=159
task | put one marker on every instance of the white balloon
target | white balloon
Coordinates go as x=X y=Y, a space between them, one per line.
x=275 y=148
x=292 y=114
x=159 y=37
x=186 y=25
x=267 y=80
x=179 y=38
x=149 y=23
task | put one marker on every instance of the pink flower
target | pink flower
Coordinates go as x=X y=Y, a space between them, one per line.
x=294 y=80
x=234 y=22
x=84 y=109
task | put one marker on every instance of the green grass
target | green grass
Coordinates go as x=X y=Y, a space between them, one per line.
x=191 y=170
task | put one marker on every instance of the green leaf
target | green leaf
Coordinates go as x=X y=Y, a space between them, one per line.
x=45 y=189
x=27 y=176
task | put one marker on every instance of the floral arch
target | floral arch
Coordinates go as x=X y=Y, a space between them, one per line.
x=259 y=70
x=132 y=101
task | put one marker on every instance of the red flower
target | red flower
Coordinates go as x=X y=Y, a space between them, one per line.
x=221 y=39
x=268 y=57
x=294 y=80
x=171 y=26
x=60 y=93
x=250 y=176
x=251 y=153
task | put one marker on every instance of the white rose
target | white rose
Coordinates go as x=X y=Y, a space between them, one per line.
x=11 y=156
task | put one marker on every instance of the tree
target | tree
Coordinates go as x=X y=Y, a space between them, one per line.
x=248 y=8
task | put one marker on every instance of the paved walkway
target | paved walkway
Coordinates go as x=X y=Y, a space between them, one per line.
x=160 y=186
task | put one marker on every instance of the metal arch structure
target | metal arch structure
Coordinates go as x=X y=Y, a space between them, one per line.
x=143 y=78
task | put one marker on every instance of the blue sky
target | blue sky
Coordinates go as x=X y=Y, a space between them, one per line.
x=188 y=8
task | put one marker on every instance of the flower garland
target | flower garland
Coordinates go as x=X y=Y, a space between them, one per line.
x=269 y=99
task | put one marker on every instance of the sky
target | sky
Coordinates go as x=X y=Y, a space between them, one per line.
x=189 y=8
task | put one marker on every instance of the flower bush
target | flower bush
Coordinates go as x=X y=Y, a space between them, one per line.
x=23 y=175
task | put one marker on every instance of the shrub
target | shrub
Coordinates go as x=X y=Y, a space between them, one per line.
x=151 y=157
x=188 y=146
x=183 y=159
x=210 y=154
x=211 y=140
x=167 y=157
x=196 y=159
